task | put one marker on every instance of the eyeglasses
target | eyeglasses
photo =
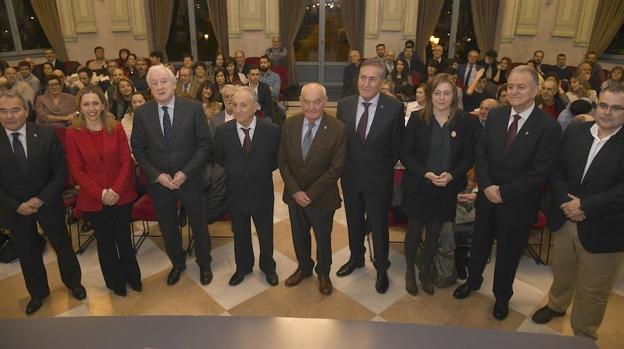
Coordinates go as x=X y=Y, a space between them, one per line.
x=614 y=108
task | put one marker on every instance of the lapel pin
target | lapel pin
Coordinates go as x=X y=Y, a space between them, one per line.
x=526 y=133
x=381 y=106
x=453 y=134
x=325 y=127
x=35 y=135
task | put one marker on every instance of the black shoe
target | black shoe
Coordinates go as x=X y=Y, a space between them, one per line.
x=136 y=286
x=410 y=282
x=34 y=304
x=348 y=268
x=86 y=226
x=120 y=292
x=272 y=279
x=427 y=282
x=382 y=283
x=237 y=277
x=501 y=310
x=79 y=292
x=174 y=274
x=544 y=314
x=205 y=275
x=463 y=291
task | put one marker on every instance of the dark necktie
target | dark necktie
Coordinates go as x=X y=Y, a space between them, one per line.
x=511 y=133
x=20 y=154
x=467 y=80
x=307 y=141
x=361 y=127
x=246 y=141
x=166 y=126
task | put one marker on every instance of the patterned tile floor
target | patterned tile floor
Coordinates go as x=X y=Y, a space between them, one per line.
x=354 y=297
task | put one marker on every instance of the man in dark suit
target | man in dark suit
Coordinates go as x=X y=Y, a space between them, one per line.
x=171 y=143
x=186 y=86
x=262 y=90
x=438 y=56
x=247 y=147
x=467 y=72
x=374 y=124
x=587 y=216
x=414 y=62
x=227 y=114
x=311 y=159
x=31 y=187
x=515 y=156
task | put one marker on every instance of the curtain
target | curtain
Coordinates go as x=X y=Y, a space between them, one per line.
x=352 y=15
x=609 y=19
x=48 y=16
x=291 y=16
x=428 y=14
x=218 y=17
x=161 y=15
x=484 y=15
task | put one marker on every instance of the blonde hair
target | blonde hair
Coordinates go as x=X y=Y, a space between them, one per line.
x=108 y=120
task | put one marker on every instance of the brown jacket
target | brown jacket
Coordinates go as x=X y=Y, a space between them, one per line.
x=318 y=174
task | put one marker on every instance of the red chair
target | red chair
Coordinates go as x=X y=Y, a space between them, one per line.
x=540 y=225
x=252 y=61
x=78 y=215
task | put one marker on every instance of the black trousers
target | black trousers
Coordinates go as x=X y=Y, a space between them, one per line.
x=243 y=247
x=493 y=222
x=413 y=237
x=367 y=212
x=191 y=195
x=28 y=248
x=321 y=221
x=114 y=243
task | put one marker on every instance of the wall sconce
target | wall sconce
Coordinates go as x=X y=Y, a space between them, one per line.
x=433 y=40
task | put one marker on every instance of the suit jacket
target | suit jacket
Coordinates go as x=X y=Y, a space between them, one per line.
x=94 y=171
x=443 y=64
x=193 y=90
x=415 y=151
x=191 y=140
x=417 y=65
x=371 y=165
x=317 y=175
x=601 y=191
x=461 y=71
x=248 y=177
x=46 y=175
x=218 y=118
x=522 y=172
x=264 y=99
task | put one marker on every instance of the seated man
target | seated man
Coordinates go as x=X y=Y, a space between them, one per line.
x=276 y=53
x=262 y=90
x=269 y=77
x=25 y=71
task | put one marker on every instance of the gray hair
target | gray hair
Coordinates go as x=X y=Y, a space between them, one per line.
x=310 y=84
x=375 y=62
x=527 y=70
x=15 y=94
x=170 y=76
x=249 y=90
x=229 y=87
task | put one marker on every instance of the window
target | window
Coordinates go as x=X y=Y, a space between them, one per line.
x=191 y=32
x=455 y=26
x=20 y=30
x=615 y=51
x=336 y=48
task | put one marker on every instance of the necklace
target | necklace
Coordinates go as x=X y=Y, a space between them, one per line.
x=94 y=128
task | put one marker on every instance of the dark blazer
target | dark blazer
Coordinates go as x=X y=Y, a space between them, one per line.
x=47 y=173
x=601 y=192
x=218 y=118
x=190 y=145
x=349 y=79
x=442 y=65
x=461 y=71
x=265 y=100
x=248 y=177
x=371 y=165
x=94 y=172
x=317 y=175
x=522 y=172
x=415 y=151
x=417 y=65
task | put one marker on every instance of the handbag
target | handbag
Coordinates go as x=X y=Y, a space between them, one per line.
x=443 y=271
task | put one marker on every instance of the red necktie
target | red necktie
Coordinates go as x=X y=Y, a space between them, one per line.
x=246 y=141
x=361 y=127
x=511 y=133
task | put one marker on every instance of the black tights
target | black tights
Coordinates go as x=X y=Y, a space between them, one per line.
x=413 y=239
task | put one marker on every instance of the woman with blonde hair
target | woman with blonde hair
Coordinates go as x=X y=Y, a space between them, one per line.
x=100 y=163
x=579 y=88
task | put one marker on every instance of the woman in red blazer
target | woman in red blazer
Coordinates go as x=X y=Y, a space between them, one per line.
x=99 y=161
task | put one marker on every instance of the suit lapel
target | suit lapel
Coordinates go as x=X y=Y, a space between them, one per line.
x=319 y=137
x=155 y=124
x=603 y=155
x=233 y=132
x=33 y=145
x=378 y=120
x=257 y=135
x=89 y=148
x=524 y=133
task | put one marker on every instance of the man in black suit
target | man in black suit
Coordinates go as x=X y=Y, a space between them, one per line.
x=247 y=147
x=31 y=187
x=587 y=216
x=467 y=72
x=515 y=156
x=171 y=143
x=414 y=62
x=374 y=125
x=437 y=55
x=262 y=90
x=50 y=56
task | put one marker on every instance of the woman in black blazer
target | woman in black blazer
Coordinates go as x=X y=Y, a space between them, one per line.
x=437 y=151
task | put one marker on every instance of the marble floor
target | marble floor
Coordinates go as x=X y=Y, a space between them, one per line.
x=354 y=297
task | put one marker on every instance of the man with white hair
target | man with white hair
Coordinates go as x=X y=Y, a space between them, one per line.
x=171 y=143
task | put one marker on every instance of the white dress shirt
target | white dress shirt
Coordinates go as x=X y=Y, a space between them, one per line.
x=252 y=128
x=523 y=117
x=371 y=111
x=596 y=146
x=22 y=138
x=228 y=117
x=161 y=113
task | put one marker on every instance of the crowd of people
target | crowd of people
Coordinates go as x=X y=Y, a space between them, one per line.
x=205 y=138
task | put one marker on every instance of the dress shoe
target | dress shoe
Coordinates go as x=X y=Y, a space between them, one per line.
x=410 y=282
x=120 y=292
x=463 y=291
x=136 y=286
x=544 y=314
x=174 y=274
x=237 y=277
x=272 y=279
x=382 y=283
x=34 y=304
x=296 y=278
x=501 y=310
x=205 y=275
x=427 y=282
x=325 y=285
x=348 y=268
x=79 y=292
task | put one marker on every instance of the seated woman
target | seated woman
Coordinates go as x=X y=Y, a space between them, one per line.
x=402 y=80
x=437 y=150
x=99 y=160
x=579 y=88
x=432 y=70
x=201 y=73
x=218 y=62
x=47 y=69
x=504 y=66
x=129 y=67
x=137 y=99
x=616 y=76
x=421 y=99
x=208 y=99
x=121 y=103
x=232 y=75
x=55 y=108
x=122 y=58
x=219 y=82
